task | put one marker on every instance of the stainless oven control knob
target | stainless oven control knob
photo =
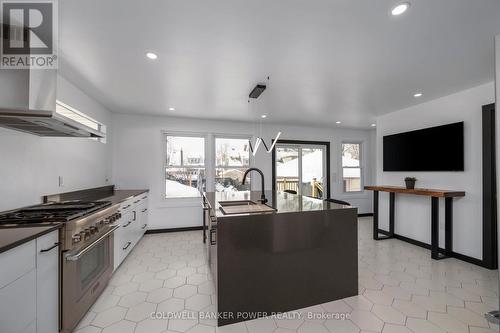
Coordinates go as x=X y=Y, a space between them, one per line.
x=107 y=220
x=86 y=233
x=93 y=230
x=76 y=238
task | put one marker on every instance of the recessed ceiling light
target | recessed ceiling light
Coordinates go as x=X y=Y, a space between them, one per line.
x=171 y=109
x=373 y=125
x=152 y=56
x=400 y=9
x=263 y=116
x=338 y=122
x=418 y=95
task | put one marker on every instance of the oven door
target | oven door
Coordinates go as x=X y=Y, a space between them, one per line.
x=86 y=272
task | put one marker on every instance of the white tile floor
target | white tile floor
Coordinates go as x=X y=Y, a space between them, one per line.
x=401 y=290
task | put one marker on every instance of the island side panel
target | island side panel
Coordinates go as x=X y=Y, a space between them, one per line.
x=282 y=262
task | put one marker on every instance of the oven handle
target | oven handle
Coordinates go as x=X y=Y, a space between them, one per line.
x=76 y=256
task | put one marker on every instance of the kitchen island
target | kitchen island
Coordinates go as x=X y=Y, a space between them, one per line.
x=300 y=253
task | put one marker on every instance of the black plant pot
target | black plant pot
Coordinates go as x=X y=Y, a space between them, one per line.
x=410 y=184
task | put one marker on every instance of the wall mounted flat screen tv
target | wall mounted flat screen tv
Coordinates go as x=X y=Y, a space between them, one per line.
x=438 y=148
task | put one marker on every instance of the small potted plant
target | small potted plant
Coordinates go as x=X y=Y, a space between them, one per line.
x=410 y=182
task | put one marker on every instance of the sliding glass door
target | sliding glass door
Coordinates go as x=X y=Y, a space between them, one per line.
x=301 y=168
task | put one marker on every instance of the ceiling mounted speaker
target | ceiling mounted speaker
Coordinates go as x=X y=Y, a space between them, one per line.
x=257 y=91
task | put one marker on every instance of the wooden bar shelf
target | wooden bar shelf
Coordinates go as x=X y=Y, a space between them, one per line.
x=434 y=194
x=417 y=191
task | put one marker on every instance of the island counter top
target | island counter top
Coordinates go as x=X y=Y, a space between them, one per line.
x=253 y=257
x=281 y=201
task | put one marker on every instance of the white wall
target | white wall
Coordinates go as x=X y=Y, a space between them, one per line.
x=412 y=212
x=138 y=161
x=30 y=165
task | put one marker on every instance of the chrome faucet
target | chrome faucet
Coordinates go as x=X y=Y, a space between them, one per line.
x=262 y=196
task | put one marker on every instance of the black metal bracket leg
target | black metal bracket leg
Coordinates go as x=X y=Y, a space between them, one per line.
x=376 y=230
x=435 y=251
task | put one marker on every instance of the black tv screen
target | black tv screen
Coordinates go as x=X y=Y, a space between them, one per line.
x=438 y=148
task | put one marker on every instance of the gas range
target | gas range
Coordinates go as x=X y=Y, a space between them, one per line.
x=86 y=249
x=52 y=212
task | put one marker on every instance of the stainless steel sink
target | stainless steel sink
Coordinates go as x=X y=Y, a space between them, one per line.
x=244 y=207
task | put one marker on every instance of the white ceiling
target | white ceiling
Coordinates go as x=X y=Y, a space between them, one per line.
x=328 y=60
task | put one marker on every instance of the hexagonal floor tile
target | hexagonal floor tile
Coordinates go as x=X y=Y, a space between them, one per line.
x=196 y=279
x=140 y=311
x=174 y=282
x=198 y=302
x=159 y=295
x=126 y=288
x=187 y=271
x=206 y=288
x=122 y=326
x=171 y=305
x=109 y=316
x=166 y=274
x=152 y=326
x=151 y=285
x=185 y=291
x=132 y=299
x=181 y=325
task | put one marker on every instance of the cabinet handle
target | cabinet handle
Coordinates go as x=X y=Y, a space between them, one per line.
x=127 y=206
x=213 y=240
x=126 y=225
x=145 y=210
x=128 y=244
x=144 y=226
x=137 y=201
x=135 y=215
x=51 y=248
x=144 y=198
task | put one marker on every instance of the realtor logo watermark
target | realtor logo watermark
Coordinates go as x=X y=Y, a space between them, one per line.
x=29 y=34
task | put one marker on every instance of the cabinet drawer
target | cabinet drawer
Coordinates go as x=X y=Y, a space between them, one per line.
x=18 y=303
x=127 y=206
x=19 y=260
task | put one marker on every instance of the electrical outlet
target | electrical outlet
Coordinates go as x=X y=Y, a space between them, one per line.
x=61 y=181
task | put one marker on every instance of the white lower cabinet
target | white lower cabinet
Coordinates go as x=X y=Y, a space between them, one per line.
x=18 y=304
x=133 y=225
x=29 y=293
x=47 y=283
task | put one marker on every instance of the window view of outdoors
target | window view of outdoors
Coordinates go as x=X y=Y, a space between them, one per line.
x=351 y=167
x=294 y=163
x=232 y=159
x=185 y=166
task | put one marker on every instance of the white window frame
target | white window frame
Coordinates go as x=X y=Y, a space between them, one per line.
x=229 y=136
x=205 y=166
x=361 y=168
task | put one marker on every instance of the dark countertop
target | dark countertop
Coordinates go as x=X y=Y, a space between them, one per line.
x=282 y=202
x=10 y=237
x=120 y=196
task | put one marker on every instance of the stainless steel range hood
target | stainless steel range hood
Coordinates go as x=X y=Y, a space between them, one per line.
x=28 y=104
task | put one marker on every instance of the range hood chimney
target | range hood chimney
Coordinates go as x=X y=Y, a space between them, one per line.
x=28 y=104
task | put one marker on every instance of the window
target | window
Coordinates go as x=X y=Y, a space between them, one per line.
x=75 y=115
x=185 y=166
x=351 y=167
x=232 y=159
